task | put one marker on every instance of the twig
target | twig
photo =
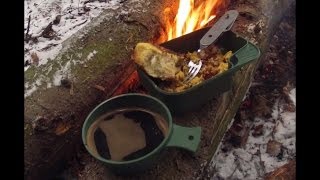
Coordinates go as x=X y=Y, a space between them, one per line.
x=44 y=107
x=71 y=89
x=261 y=162
x=78 y=6
x=80 y=23
x=27 y=33
x=265 y=98
x=253 y=84
x=130 y=38
x=85 y=80
x=48 y=46
x=235 y=169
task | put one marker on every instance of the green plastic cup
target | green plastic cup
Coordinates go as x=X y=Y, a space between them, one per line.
x=180 y=137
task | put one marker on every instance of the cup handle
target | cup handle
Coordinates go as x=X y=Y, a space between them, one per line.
x=185 y=138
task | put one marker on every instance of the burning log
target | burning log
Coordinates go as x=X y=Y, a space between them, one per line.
x=53 y=117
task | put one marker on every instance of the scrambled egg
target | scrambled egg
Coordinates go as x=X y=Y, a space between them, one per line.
x=214 y=64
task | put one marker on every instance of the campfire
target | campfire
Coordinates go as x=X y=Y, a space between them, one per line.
x=192 y=15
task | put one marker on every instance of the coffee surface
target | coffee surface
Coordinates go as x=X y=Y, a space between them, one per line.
x=126 y=134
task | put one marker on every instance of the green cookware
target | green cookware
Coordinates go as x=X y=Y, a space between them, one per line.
x=244 y=52
x=178 y=136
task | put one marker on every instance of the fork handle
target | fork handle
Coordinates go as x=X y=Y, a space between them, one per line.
x=223 y=24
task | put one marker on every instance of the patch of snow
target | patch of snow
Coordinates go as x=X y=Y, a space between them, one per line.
x=38 y=82
x=292 y=95
x=79 y=55
x=29 y=91
x=276 y=110
x=271 y=163
x=49 y=85
x=73 y=18
x=90 y=55
x=253 y=161
x=61 y=74
x=84 y=60
x=225 y=164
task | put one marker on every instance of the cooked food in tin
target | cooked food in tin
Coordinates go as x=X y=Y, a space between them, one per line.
x=171 y=68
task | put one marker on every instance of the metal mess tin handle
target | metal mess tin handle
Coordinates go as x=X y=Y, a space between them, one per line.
x=223 y=24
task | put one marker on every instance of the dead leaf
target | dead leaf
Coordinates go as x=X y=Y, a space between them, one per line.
x=260 y=106
x=99 y=88
x=34 y=58
x=48 y=32
x=57 y=20
x=286 y=91
x=41 y=124
x=274 y=147
x=61 y=128
x=257 y=130
x=289 y=107
x=86 y=9
x=238 y=135
x=244 y=137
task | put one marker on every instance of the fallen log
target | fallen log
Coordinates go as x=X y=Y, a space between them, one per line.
x=66 y=86
x=54 y=116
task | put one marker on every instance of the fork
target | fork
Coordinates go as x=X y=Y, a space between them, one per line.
x=222 y=25
x=193 y=70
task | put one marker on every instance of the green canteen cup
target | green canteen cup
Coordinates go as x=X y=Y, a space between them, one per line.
x=178 y=136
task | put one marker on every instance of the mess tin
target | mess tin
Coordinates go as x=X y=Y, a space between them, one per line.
x=243 y=51
x=187 y=138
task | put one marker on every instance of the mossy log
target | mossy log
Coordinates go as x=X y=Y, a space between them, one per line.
x=54 y=115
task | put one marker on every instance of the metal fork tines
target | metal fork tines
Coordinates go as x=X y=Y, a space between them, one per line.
x=193 y=70
x=222 y=25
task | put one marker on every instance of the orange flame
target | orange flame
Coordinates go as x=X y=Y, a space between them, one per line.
x=192 y=15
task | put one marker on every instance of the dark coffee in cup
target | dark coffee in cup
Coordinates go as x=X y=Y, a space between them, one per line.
x=126 y=134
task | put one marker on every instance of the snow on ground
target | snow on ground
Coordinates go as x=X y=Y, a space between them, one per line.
x=253 y=161
x=41 y=47
x=75 y=14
